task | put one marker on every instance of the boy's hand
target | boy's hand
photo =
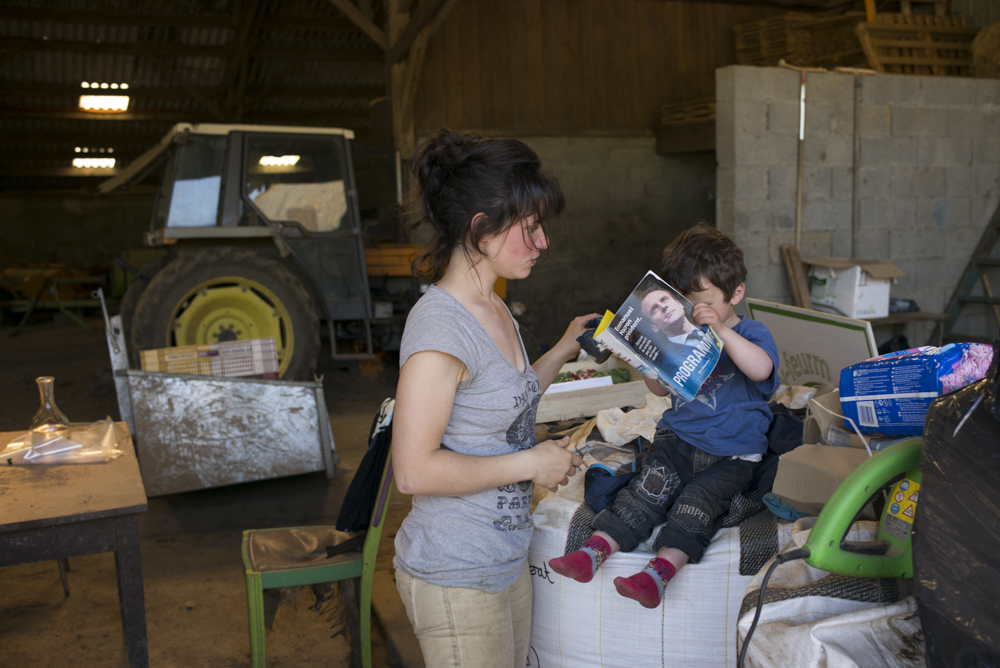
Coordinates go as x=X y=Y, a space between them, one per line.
x=703 y=314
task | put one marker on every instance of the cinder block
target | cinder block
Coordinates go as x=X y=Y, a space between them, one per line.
x=874 y=120
x=783 y=118
x=725 y=217
x=983 y=208
x=873 y=182
x=829 y=87
x=826 y=215
x=817 y=183
x=754 y=244
x=892 y=213
x=947 y=91
x=920 y=244
x=842 y=118
x=819 y=116
x=725 y=182
x=843 y=183
x=750 y=183
x=768 y=282
x=893 y=89
x=765 y=150
x=775 y=241
x=982 y=122
x=750 y=116
x=765 y=83
x=943 y=212
x=960 y=242
x=872 y=244
x=987 y=179
x=724 y=82
x=961 y=181
x=987 y=92
x=725 y=134
x=781 y=182
x=841 y=243
x=888 y=151
x=918 y=121
x=763 y=215
x=919 y=181
x=815 y=244
x=986 y=151
x=943 y=151
x=828 y=149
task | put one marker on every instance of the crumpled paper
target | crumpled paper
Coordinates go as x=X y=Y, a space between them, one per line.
x=618 y=427
x=86 y=444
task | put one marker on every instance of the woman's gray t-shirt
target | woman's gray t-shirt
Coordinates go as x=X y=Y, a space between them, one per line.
x=479 y=541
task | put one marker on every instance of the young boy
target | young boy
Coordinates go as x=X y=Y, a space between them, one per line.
x=704 y=451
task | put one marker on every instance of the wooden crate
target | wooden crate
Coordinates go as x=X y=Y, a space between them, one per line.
x=390 y=259
x=800 y=39
x=918 y=44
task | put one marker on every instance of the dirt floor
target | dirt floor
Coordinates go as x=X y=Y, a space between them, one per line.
x=195 y=595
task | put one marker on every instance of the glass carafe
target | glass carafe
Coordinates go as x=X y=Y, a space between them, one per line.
x=49 y=421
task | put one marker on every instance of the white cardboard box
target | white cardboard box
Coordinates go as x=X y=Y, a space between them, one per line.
x=859 y=289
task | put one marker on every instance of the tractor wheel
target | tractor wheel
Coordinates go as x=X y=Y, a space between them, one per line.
x=130 y=300
x=227 y=294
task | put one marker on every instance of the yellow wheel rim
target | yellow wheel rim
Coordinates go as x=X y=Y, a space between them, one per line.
x=232 y=308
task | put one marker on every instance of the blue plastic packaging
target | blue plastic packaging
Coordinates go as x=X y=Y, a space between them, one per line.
x=891 y=395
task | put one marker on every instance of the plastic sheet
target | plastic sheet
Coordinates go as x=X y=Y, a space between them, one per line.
x=86 y=444
x=956 y=537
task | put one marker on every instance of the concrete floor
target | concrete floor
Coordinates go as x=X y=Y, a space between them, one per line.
x=193 y=574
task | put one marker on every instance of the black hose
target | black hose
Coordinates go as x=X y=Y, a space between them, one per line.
x=791 y=555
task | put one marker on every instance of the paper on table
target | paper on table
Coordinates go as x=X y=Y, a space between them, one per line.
x=599 y=381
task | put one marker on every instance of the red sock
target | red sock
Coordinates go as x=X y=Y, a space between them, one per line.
x=582 y=564
x=647 y=585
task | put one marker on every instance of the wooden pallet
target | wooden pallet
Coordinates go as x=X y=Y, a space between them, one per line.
x=918 y=44
x=696 y=111
x=800 y=39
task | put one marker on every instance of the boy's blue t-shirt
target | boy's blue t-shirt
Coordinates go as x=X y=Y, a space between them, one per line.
x=729 y=416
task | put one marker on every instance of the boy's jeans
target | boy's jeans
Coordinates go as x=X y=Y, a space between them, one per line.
x=687 y=487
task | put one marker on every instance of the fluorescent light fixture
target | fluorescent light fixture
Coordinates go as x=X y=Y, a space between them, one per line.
x=279 y=160
x=104 y=103
x=93 y=163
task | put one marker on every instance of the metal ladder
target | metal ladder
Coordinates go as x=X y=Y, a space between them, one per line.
x=975 y=272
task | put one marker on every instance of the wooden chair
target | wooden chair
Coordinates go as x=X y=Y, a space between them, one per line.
x=297 y=556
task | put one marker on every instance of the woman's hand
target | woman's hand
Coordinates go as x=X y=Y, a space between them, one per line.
x=548 y=365
x=554 y=464
x=576 y=328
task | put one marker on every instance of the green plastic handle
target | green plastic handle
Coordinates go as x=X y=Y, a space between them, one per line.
x=852 y=495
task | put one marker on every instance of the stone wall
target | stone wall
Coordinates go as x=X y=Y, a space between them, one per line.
x=927 y=154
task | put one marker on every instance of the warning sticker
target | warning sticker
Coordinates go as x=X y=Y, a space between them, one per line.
x=899 y=518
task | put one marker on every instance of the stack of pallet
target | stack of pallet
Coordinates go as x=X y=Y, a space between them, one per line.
x=918 y=44
x=806 y=40
x=686 y=127
x=251 y=358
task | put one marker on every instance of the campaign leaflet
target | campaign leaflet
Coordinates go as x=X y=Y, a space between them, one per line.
x=654 y=332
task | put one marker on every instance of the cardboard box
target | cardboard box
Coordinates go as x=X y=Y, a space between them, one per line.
x=809 y=475
x=824 y=423
x=859 y=289
x=587 y=402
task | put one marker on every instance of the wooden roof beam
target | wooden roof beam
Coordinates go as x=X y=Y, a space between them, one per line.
x=357 y=17
x=425 y=14
x=116 y=18
x=174 y=92
x=116 y=48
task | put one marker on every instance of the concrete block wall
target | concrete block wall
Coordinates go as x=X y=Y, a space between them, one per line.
x=928 y=175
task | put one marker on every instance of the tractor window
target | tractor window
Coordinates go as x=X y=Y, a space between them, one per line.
x=193 y=187
x=298 y=179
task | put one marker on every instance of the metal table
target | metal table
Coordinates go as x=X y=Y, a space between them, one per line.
x=53 y=512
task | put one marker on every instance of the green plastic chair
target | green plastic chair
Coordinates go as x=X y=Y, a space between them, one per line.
x=296 y=556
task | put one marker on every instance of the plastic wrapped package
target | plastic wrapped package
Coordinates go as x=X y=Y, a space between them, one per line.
x=890 y=395
x=956 y=537
x=85 y=444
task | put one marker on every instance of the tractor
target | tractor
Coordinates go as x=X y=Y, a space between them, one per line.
x=261 y=236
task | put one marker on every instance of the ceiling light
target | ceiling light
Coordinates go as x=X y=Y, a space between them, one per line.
x=93 y=163
x=84 y=85
x=104 y=85
x=104 y=103
x=279 y=160
x=124 y=86
x=114 y=86
x=77 y=149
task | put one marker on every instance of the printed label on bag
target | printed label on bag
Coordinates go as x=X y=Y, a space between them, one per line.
x=899 y=518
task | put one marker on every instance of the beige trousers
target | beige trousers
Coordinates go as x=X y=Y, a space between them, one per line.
x=469 y=628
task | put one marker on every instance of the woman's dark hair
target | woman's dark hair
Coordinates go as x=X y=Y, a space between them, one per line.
x=703 y=253
x=459 y=177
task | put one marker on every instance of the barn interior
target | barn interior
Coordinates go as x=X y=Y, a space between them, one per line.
x=160 y=163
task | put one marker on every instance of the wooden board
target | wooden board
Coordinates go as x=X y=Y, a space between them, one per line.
x=390 y=259
x=796 y=277
x=802 y=39
x=392 y=614
x=589 y=402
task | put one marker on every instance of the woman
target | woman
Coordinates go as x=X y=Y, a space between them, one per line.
x=463 y=428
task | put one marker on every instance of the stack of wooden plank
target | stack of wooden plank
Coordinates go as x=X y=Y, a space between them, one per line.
x=918 y=44
x=802 y=39
x=686 y=127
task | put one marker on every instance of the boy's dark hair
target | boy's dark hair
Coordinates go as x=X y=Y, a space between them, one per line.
x=458 y=177
x=702 y=253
